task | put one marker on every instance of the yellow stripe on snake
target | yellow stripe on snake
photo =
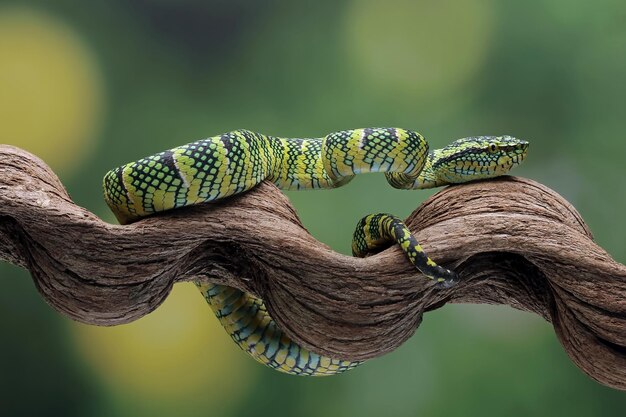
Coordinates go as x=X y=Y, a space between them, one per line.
x=236 y=161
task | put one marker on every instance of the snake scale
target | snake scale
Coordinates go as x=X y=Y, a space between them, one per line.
x=236 y=161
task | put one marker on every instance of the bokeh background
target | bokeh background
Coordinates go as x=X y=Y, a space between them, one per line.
x=90 y=85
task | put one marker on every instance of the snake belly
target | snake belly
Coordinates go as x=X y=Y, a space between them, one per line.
x=235 y=162
x=248 y=323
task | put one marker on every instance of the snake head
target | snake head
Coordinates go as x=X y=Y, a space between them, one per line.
x=477 y=157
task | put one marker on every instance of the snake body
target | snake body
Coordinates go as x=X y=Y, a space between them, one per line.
x=236 y=161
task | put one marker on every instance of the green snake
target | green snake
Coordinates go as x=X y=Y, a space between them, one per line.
x=220 y=166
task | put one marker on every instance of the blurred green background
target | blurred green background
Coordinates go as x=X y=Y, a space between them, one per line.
x=90 y=85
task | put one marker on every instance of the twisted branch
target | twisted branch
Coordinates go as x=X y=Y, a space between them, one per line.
x=512 y=240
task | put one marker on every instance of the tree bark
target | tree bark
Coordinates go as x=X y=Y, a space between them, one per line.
x=513 y=241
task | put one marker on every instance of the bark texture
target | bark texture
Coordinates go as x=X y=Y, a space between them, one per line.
x=512 y=240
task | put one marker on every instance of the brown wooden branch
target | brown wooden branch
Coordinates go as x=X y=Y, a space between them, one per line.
x=512 y=240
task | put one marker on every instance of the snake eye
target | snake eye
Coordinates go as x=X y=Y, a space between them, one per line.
x=493 y=147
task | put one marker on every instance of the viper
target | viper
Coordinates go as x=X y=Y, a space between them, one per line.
x=235 y=162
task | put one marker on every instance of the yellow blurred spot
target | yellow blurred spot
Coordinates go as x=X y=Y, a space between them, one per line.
x=178 y=353
x=424 y=48
x=51 y=96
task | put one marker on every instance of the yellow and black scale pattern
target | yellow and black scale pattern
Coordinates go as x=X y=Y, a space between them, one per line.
x=236 y=161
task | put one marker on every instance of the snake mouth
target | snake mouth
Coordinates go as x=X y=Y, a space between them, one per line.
x=523 y=147
x=522 y=151
x=516 y=152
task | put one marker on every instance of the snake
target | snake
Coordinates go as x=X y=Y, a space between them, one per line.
x=235 y=162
